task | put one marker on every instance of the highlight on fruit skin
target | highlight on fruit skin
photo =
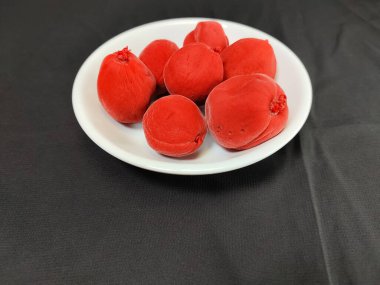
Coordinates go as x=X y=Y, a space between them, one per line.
x=210 y=33
x=155 y=56
x=174 y=126
x=193 y=71
x=249 y=56
x=125 y=86
x=245 y=111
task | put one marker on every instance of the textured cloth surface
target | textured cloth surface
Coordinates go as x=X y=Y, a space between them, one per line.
x=72 y=214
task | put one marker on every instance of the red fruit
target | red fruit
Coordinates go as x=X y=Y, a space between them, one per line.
x=174 y=126
x=155 y=56
x=193 y=71
x=248 y=56
x=210 y=33
x=246 y=110
x=125 y=86
x=189 y=39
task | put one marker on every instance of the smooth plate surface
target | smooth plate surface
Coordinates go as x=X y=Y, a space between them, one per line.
x=128 y=143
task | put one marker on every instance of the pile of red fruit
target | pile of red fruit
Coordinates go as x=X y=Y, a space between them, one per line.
x=244 y=106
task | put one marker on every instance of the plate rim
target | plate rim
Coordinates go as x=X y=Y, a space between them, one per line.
x=207 y=168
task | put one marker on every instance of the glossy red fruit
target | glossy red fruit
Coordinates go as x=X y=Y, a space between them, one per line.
x=248 y=56
x=246 y=110
x=210 y=33
x=125 y=86
x=155 y=56
x=174 y=126
x=193 y=71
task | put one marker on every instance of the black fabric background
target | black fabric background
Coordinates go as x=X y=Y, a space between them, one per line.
x=72 y=214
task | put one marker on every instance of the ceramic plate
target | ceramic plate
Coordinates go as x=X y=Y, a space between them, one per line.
x=128 y=143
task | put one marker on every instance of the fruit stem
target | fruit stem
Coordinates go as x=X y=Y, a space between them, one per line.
x=278 y=105
x=123 y=55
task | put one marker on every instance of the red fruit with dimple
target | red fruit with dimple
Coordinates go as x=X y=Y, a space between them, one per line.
x=246 y=110
x=210 y=33
x=174 y=126
x=125 y=86
x=193 y=71
x=249 y=56
x=155 y=56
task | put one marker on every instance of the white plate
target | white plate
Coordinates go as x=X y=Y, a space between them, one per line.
x=128 y=143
